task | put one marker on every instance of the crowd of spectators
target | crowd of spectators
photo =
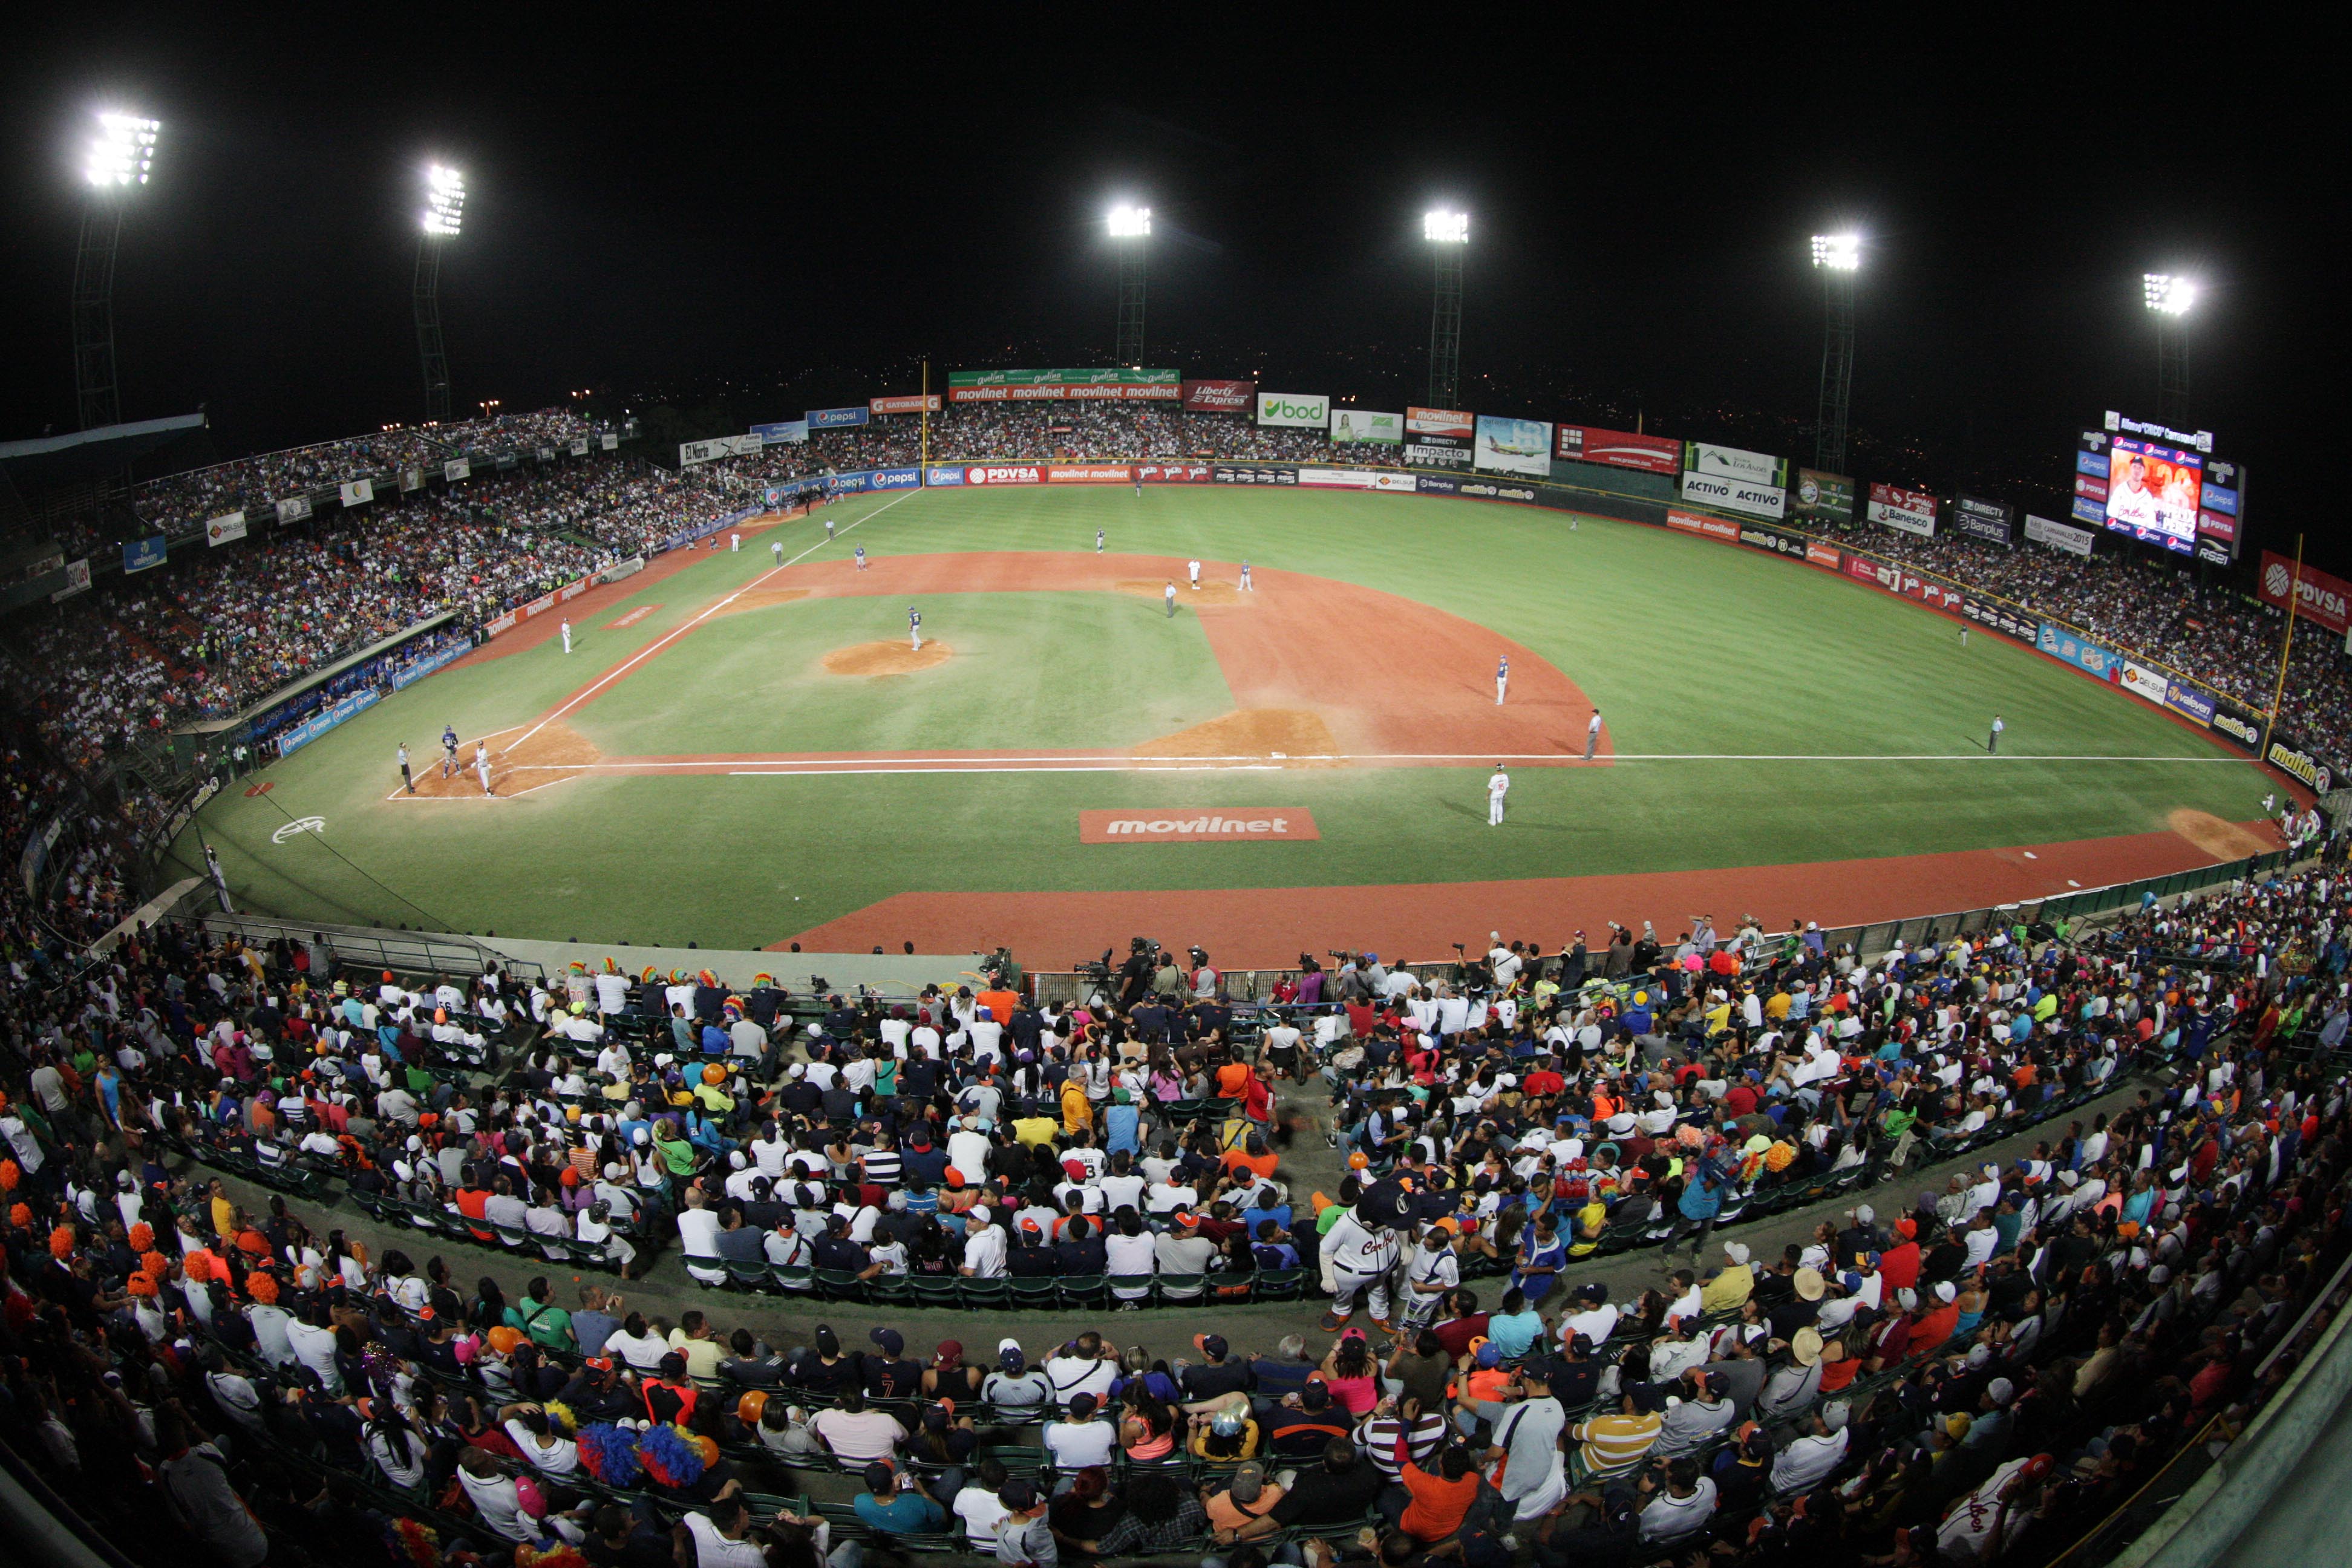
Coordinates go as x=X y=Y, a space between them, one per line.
x=1979 y=1373
x=181 y=503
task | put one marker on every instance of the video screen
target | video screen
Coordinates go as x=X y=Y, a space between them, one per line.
x=2153 y=492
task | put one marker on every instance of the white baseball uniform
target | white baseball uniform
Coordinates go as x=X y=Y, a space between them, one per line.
x=734 y=543
x=1194 y=568
x=1246 y=587
x=1496 y=788
x=1360 y=1257
x=567 y=636
x=482 y=766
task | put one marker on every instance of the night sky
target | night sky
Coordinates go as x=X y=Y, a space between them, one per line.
x=769 y=216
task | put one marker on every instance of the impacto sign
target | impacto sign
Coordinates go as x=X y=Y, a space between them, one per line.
x=1224 y=825
x=1298 y=410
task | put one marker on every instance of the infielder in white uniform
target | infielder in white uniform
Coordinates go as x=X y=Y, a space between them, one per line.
x=1592 y=735
x=915 y=626
x=1171 y=601
x=734 y=543
x=1247 y=588
x=1362 y=1257
x=1496 y=788
x=482 y=766
x=566 y=628
x=1501 y=678
x=1194 y=568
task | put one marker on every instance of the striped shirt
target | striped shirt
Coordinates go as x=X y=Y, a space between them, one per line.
x=881 y=1166
x=1616 y=1442
x=1377 y=1438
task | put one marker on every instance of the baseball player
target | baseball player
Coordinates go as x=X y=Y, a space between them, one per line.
x=1194 y=568
x=565 y=627
x=1964 y=637
x=860 y=553
x=734 y=543
x=1592 y=735
x=404 y=769
x=1247 y=588
x=1502 y=678
x=915 y=626
x=828 y=527
x=1099 y=541
x=1497 y=787
x=1171 y=599
x=1362 y=1257
x=777 y=546
x=482 y=766
x=448 y=751
x=1137 y=474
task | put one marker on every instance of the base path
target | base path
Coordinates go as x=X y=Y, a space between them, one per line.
x=1263 y=928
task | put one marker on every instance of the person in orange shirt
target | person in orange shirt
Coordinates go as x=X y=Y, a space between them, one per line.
x=1434 y=1504
x=1934 y=1323
x=1000 y=1004
x=1252 y=1155
x=1233 y=1079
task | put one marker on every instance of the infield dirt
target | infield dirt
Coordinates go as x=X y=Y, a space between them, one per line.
x=887 y=659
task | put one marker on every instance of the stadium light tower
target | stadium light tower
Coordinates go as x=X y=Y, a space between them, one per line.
x=1448 y=234
x=444 y=216
x=1131 y=228
x=121 y=155
x=1837 y=257
x=2168 y=298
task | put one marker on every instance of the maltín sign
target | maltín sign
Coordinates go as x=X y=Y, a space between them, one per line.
x=1224 y=825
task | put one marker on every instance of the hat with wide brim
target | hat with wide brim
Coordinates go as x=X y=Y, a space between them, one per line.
x=1805 y=1346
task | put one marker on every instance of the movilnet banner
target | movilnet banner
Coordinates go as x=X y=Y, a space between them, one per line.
x=1439 y=451
x=1618 y=449
x=1294 y=410
x=2061 y=643
x=140 y=554
x=1514 y=446
x=358 y=492
x=2059 y=535
x=1683 y=521
x=1198 y=824
x=781 y=433
x=1220 y=396
x=225 y=530
x=1826 y=496
x=456 y=469
x=1911 y=511
x=1452 y=422
x=293 y=509
x=1090 y=474
x=1352 y=426
x=914 y=402
x=2319 y=595
x=1108 y=384
x=1731 y=463
x=1743 y=496
x=1993 y=522
x=836 y=418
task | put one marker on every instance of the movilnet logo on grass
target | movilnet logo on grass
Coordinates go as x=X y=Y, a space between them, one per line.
x=1224 y=825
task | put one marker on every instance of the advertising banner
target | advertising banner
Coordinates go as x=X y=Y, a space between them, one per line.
x=1734 y=495
x=1618 y=449
x=2006 y=621
x=2237 y=723
x=1731 y=463
x=1225 y=825
x=2141 y=681
x=895 y=479
x=580 y=447
x=76 y=581
x=2188 y=702
x=1910 y=584
x=293 y=509
x=1220 y=396
x=1439 y=452
x=1490 y=489
x=1514 y=446
x=1357 y=425
x=913 y=402
x=1452 y=422
x=223 y=529
x=1771 y=540
x=326 y=718
x=2060 y=643
x=2084 y=510
x=1090 y=474
x=139 y=554
x=608 y=441
x=1172 y=473
x=409 y=674
x=1823 y=555
x=456 y=469
x=1004 y=474
x=358 y=492
x=1294 y=410
x=1110 y=384
x=2058 y=535
x=836 y=418
x=1683 y=521
x=1390 y=479
x=2319 y=595
x=1439 y=485
x=412 y=480
x=1251 y=474
x=2214 y=553
x=1912 y=511
x=691 y=453
x=1356 y=478
x=1994 y=523
x=936 y=477
x=1820 y=495
x=2298 y=761
x=783 y=432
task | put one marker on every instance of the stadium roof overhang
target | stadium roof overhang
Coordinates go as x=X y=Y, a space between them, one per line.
x=91 y=453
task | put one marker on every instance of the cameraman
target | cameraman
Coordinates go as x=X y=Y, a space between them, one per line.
x=1135 y=974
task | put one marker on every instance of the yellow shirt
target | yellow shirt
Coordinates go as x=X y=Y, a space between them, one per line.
x=1727 y=1290
x=1033 y=1131
x=1777 y=1007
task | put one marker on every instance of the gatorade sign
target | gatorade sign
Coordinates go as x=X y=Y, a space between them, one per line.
x=1297 y=410
x=1224 y=825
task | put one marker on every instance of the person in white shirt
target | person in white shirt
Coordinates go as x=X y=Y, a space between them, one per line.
x=1085 y=1365
x=718 y=1540
x=1127 y=1250
x=987 y=1037
x=984 y=1249
x=1682 y=1505
x=1807 y=1461
x=1078 y=1439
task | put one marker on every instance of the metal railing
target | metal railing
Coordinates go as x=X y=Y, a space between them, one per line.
x=403 y=951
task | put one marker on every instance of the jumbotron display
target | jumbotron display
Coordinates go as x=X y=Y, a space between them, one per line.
x=2159 y=486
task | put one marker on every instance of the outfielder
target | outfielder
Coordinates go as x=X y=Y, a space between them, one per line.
x=1496 y=788
x=1194 y=568
x=915 y=626
x=1362 y=1257
x=1172 y=600
x=404 y=769
x=482 y=766
x=1099 y=541
x=1247 y=588
x=860 y=553
x=566 y=628
x=1592 y=735
x=448 y=751
x=1502 y=678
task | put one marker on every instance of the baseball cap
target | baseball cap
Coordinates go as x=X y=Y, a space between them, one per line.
x=1228 y=1424
x=1017 y=1494
x=878 y=1476
x=1084 y=1404
x=892 y=1341
x=1212 y=1345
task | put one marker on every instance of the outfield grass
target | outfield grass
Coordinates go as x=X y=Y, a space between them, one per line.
x=1690 y=648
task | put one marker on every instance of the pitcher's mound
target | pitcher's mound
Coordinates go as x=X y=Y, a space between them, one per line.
x=886 y=659
x=1292 y=736
x=1206 y=593
x=2223 y=840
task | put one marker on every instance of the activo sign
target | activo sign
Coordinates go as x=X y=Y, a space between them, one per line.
x=1298 y=410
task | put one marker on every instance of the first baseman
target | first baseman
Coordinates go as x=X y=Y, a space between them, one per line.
x=1501 y=678
x=1496 y=788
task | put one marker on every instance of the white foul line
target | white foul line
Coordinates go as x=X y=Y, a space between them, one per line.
x=656 y=646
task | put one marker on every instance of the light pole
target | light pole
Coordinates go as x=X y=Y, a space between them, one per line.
x=2168 y=298
x=1131 y=227
x=1837 y=257
x=120 y=156
x=1448 y=234
x=444 y=216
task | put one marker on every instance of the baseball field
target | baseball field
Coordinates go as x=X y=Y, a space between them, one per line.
x=742 y=748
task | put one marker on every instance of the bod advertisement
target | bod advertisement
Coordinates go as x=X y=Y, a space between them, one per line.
x=1618 y=449
x=2058 y=535
x=1441 y=422
x=1514 y=446
x=1110 y=384
x=1439 y=451
x=1824 y=495
x=1294 y=410
x=2318 y=597
x=1743 y=496
x=2152 y=492
x=1911 y=511
x=1990 y=520
x=1220 y=396
x=1356 y=425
